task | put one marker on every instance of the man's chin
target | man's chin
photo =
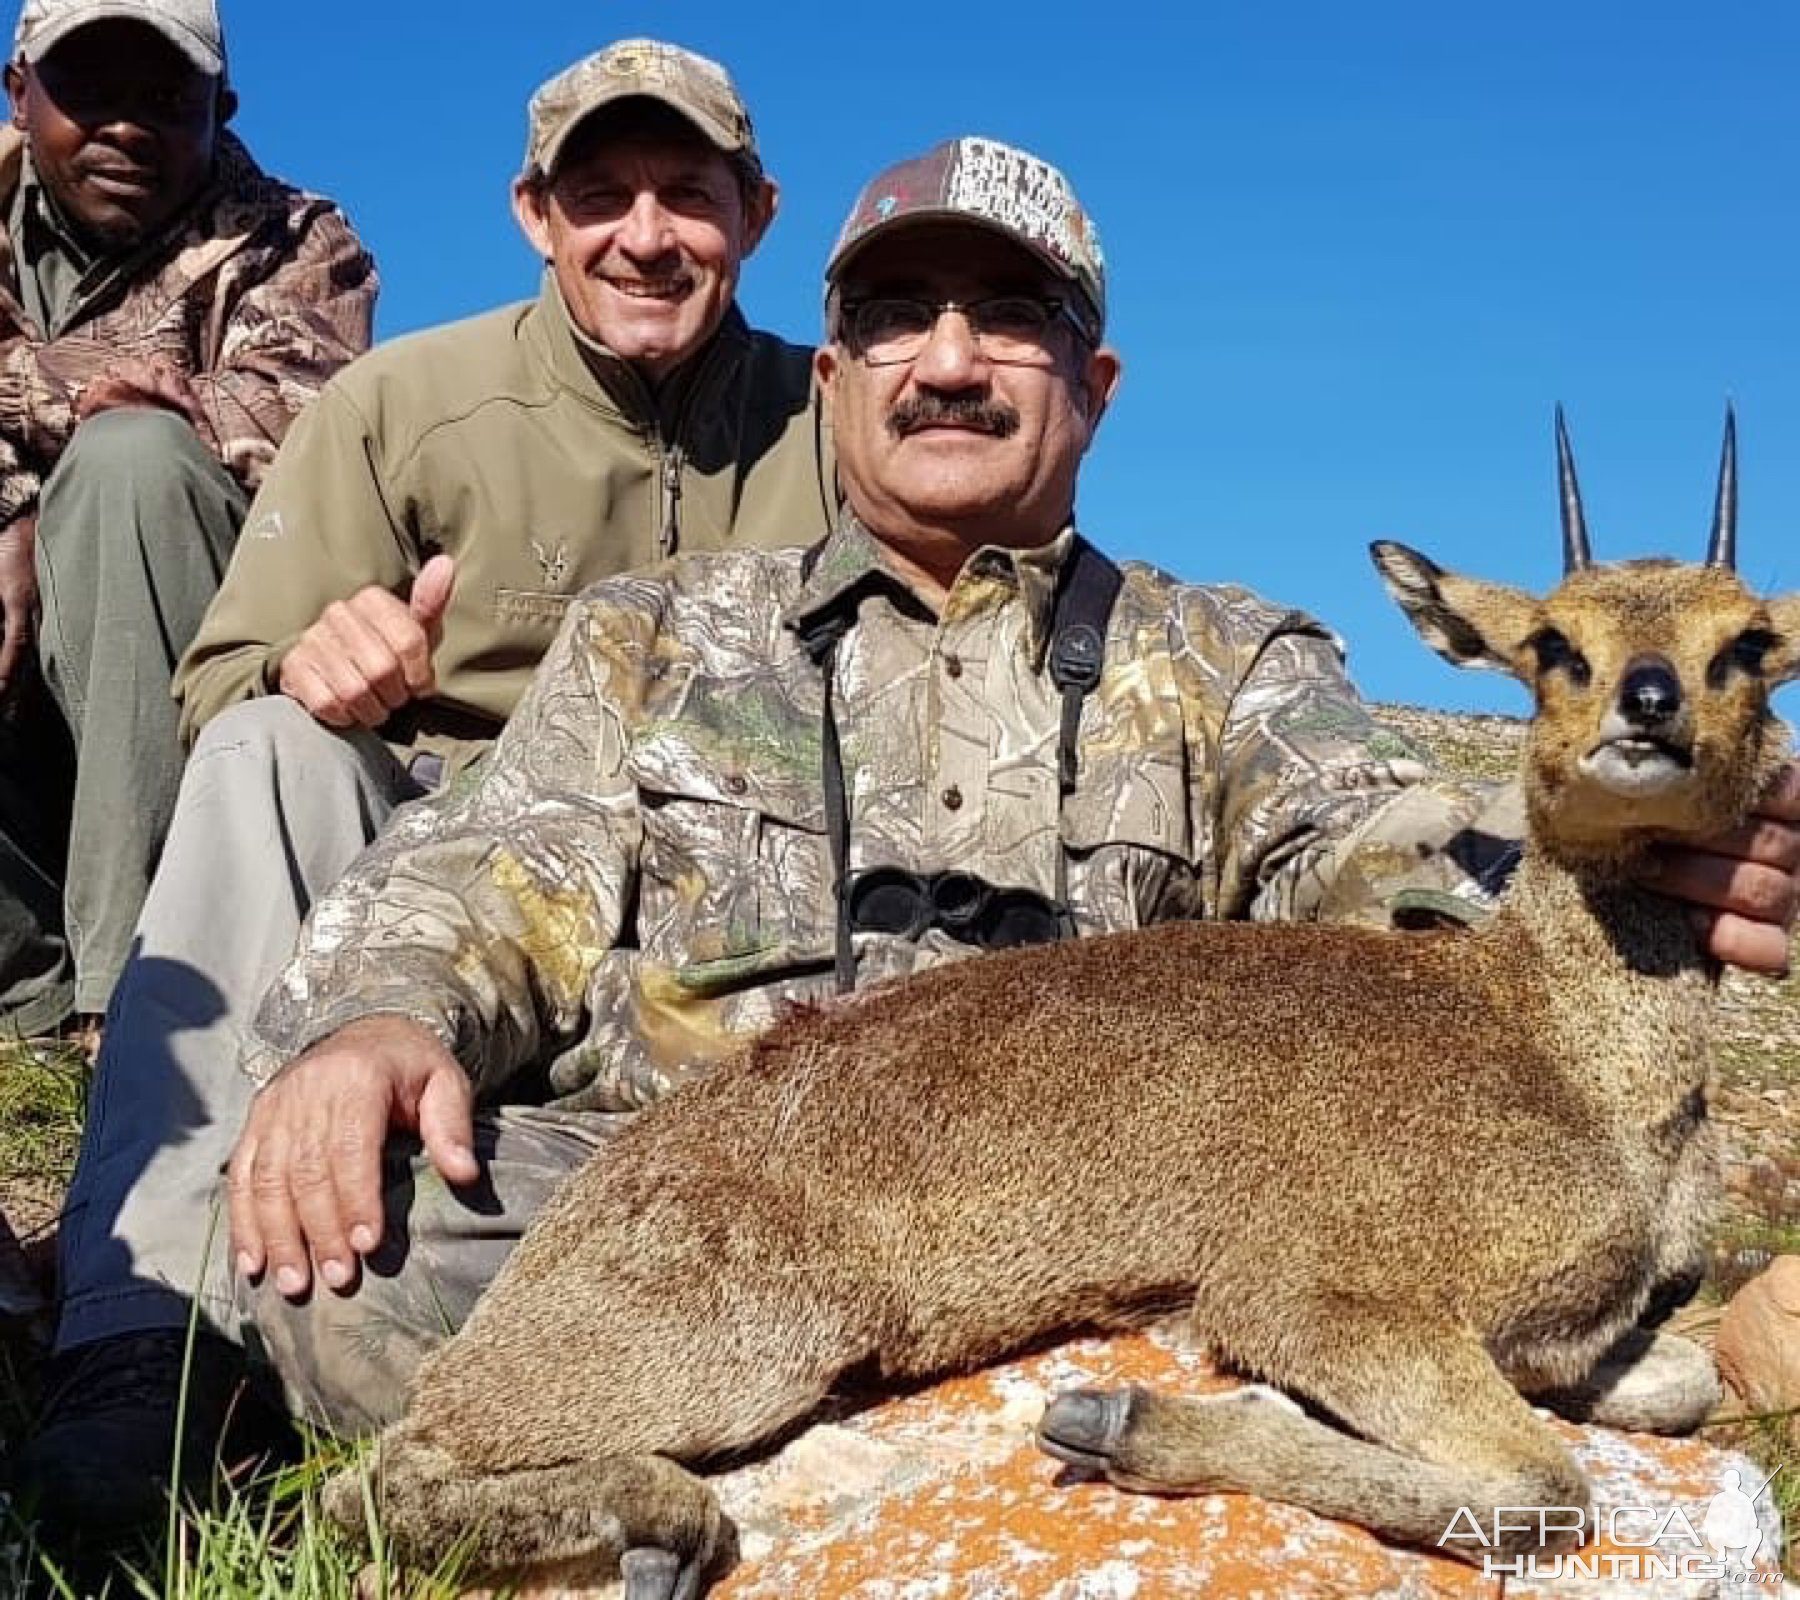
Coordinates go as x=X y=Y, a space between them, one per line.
x=113 y=229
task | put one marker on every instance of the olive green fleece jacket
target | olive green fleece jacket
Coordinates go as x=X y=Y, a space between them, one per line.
x=536 y=459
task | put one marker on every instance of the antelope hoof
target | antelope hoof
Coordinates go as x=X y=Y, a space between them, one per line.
x=652 y=1573
x=1084 y=1427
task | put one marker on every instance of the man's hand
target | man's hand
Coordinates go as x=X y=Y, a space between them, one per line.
x=18 y=600
x=369 y=655
x=1747 y=882
x=141 y=381
x=304 y=1183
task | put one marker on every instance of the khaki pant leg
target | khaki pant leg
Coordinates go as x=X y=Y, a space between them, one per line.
x=135 y=527
x=273 y=808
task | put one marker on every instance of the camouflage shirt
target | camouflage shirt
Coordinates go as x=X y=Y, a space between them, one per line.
x=258 y=293
x=641 y=873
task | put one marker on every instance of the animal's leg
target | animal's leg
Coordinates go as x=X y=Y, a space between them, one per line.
x=1441 y=1430
x=638 y=1340
x=640 y=1515
x=1648 y=1382
x=558 y=1412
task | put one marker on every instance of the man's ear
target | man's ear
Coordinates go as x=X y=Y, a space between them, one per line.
x=760 y=206
x=531 y=210
x=826 y=360
x=228 y=103
x=15 y=93
x=1099 y=383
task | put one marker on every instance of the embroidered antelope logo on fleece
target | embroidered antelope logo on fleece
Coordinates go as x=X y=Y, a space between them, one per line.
x=554 y=564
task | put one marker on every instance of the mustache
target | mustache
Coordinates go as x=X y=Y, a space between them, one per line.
x=956 y=411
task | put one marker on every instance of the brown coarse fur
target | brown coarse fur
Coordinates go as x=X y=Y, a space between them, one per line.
x=1408 y=1178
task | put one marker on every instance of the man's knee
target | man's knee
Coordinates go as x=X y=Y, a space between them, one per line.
x=344 y=1362
x=136 y=451
x=274 y=735
x=272 y=724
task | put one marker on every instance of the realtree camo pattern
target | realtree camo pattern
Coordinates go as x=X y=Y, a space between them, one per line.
x=258 y=296
x=640 y=874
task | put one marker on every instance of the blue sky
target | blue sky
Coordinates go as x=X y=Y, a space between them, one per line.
x=1357 y=251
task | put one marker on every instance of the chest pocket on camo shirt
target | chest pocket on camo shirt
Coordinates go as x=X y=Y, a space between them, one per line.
x=1126 y=831
x=735 y=869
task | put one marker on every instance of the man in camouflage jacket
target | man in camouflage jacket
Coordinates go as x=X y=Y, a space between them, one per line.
x=643 y=870
x=165 y=310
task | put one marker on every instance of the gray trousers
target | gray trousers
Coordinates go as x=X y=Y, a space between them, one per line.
x=135 y=527
x=272 y=808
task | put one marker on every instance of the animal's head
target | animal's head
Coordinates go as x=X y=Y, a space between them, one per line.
x=1651 y=677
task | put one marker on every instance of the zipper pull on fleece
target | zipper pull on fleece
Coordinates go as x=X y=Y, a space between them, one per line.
x=670 y=537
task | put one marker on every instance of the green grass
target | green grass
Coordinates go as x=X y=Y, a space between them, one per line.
x=268 y=1541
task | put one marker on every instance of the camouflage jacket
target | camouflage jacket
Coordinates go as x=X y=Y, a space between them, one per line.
x=258 y=295
x=640 y=872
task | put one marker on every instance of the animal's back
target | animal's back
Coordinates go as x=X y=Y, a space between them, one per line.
x=928 y=1147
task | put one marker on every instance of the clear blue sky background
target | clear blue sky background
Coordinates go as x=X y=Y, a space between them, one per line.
x=1357 y=251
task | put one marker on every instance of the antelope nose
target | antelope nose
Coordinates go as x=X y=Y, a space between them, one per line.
x=1650 y=695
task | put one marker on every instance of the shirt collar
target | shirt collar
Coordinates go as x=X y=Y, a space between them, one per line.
x=851 y=562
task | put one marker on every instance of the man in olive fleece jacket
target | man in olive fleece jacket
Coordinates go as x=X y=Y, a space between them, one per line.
x=404 y=566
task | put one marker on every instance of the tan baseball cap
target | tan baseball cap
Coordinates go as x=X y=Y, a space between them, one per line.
x=192 y=26
x=995 y=186
x=701 y=90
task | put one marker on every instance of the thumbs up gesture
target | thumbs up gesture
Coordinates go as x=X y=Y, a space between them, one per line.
x=370 y=654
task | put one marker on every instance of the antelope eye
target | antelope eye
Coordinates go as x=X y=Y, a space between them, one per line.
x=1555 y=653
x=1749 y=648
x=1744 y=654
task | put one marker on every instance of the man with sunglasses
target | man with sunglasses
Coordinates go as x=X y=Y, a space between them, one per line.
x=744 y=781
x=166 y=309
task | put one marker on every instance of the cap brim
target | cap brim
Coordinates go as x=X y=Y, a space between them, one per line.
x=720 y=138
x=208 y=62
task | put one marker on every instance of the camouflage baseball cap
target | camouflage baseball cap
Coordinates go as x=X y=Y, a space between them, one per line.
x=701 y=90
x=994 y=186
x=192 y=26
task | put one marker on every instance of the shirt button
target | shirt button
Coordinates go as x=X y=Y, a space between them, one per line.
x=735 y=783
x=952 y=798
x=953 y=666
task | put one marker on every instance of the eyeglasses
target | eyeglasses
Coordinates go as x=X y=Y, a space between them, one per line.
x=1012 y=329
x=967 y=908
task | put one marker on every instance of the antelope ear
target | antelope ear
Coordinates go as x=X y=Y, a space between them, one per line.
x=1468 y=622
x=1782 y=664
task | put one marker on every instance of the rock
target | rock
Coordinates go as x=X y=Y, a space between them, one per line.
x=1758 y=1344
x=942 y=1495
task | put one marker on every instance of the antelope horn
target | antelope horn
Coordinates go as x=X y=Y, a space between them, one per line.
x=1722 y=549
x=1574 y=527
